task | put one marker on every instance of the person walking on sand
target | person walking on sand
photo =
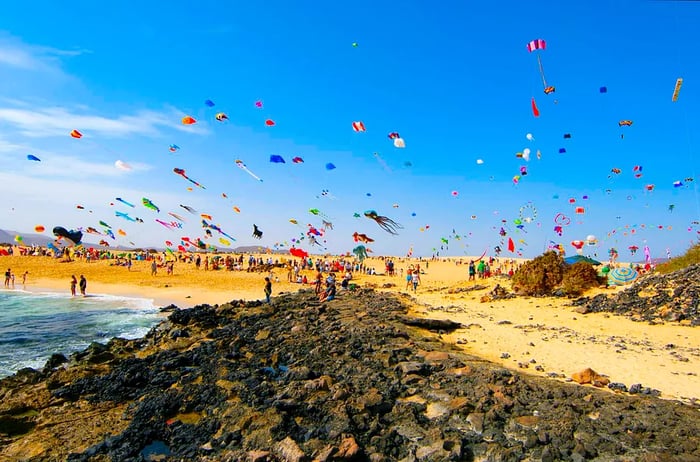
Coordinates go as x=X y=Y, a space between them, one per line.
x=154 y=267
x=268 y=289
x=73 y=284
x=83 y=285
x=415 y=279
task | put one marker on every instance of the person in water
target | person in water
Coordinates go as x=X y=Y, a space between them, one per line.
x=83 y=285
x=73 y=284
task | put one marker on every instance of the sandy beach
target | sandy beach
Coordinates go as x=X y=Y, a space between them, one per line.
x=539 y=336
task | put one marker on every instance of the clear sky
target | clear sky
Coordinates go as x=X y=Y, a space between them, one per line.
x=453 y=78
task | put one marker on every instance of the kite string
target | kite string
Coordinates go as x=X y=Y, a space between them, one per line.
x=539 y=63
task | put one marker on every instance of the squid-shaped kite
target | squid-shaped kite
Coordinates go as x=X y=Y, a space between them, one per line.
x=387 y=224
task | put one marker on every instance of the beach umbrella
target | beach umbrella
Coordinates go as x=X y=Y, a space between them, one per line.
x=622 y=276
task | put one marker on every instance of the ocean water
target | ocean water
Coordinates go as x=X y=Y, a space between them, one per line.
x=34 y=325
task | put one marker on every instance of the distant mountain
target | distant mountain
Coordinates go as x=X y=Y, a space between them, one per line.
x=8 y=237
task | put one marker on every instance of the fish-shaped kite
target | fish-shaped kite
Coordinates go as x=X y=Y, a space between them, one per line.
x=125 y=202
x=149 y=205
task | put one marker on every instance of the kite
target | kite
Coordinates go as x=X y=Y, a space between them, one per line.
x=121 y=232
x=121 y=165
x=360 y=252
x=298 y=252
x=216 y=228
x=73 y=236
x=270 y=123
x=207 y=216
x=125 y=216
x=257 y=234
x=236 y=209
x=633 y=249
x=677 y=90
x=188 y=208
x=358 y=237
x=540 y=44
x=224 y=241
x=625 y=123
x=209 y=103
x=259 y=104
x=243 y=167
x=167 y=225
x=181 y=172
x=104 y=243
x=39 y=229
x=326 y=224
x=358 y=126
x=530 y=137
x=567 y=136
x=355 y=44
x=221 y=117
x=276 y=159
x=76 y=134
x=562 y=150
x=399 y=143
x=535 y=111
x=330 y=166
x=188 y=120
x=297 y=160
x=104 y=224
x=603 y=89
x=176 y=216
x=511 y=245
x=33 y=157
x=174 y=147
x=387 y=224
x=149 y=205
x=125 y=202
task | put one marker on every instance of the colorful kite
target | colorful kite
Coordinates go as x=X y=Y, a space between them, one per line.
x=76 y=134
x=677 y=90
x=188 y=120
x=540 y=44
x=149 y=205
x=535 y=111
x=358 y=126
x=358 y=237
x=221 y=117
x=181 y=172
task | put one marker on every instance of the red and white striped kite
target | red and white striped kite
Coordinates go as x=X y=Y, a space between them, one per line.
x=358 y=126
x=538 y=44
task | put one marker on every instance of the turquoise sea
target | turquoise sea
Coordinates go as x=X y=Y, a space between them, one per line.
x=34 y=325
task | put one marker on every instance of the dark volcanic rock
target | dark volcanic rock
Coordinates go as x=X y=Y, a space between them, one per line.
x=673 y=297
x=342 y=381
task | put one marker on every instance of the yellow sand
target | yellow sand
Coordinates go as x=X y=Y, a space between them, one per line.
x=542 y=329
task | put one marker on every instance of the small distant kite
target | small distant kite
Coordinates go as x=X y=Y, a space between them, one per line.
x=221 y=117
x=173 y=148
x=243 y=167
x=297 y=160
x=677 y=90
x=76 y=134
x=625 y=123
x=188 y=208
x=259 y=104
x=33 y=157
x=270 y=123
x=277 y=159
x=330 y=166
x=209 y=103
x=188 y=120
x=358 y=126
x=535 y=111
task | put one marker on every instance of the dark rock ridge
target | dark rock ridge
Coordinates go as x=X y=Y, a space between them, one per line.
x=673 y=297
x=301 y=381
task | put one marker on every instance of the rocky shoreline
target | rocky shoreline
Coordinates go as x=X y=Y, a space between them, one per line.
x=352 y=379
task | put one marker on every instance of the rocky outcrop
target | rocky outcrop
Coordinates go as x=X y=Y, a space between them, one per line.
x=673 y=297
x=301 y=380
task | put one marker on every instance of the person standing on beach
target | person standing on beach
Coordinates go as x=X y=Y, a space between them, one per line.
x=73 y=284
x=268 y=289
x=83 y=285
x=24 y=278
x=154 y=267
x=8 y=276
x=415 y=279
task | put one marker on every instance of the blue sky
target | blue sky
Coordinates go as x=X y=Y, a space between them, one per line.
x=454 y=80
